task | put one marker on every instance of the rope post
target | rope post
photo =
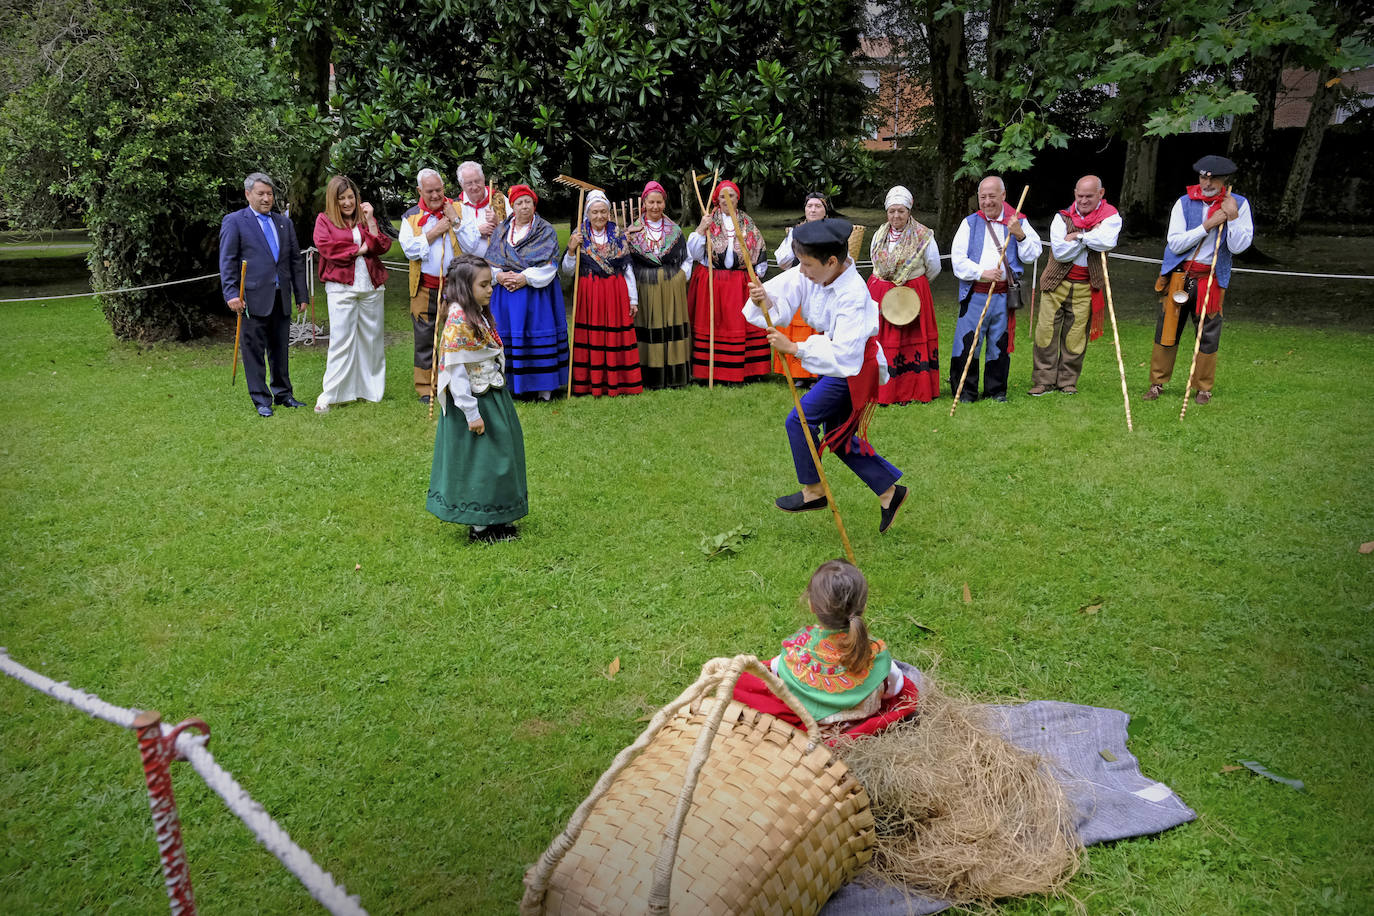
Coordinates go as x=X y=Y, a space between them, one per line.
x=158 y=752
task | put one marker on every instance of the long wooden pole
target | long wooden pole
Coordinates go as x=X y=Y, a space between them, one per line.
x=577 y=281
x=238 y=325
x=796 y=401
x=1035 y=274
x=1116 y=339
x=973 y=347
x=1204 y=301
x=440 y=317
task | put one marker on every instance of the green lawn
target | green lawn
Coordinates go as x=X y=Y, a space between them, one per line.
x=423 y=715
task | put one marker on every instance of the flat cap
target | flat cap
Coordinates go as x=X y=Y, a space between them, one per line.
x=824 y=232
x=1214 y=166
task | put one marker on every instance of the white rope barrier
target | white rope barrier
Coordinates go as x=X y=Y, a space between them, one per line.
x=1254 y=270
x=111 y=292
x=320 y=883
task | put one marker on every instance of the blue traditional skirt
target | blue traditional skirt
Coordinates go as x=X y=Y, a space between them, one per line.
x=533 y=325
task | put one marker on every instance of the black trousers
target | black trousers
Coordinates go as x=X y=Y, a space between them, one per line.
x=265 y=342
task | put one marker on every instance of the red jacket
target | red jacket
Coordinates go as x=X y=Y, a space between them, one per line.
x=338 y=252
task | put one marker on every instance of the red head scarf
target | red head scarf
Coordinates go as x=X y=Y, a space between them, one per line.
x=521 y=190
x=727 y=183
x=651 y=187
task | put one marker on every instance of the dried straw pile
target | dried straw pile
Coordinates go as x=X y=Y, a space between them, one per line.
x=961 y=814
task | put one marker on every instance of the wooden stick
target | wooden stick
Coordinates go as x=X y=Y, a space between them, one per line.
x=1034 y=275
x=577 y=281
x=1116 y=339
x=796 y=400
x=238 y=325
x=710 y=283
x=973 y=347
x=439 y=318
x=1201 y=320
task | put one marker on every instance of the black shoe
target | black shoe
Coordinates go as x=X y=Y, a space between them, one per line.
x=967 y=398
x=1000 y=398
x=890 y=513
x=493 y=533
x=796 y=502
x=264 y=411
x=290 y=402
x=424 y=399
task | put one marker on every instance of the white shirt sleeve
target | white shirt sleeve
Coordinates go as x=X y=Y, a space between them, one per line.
x=569 y=265
x=469 y=238
x=631 y=284
x=542 y=275
x=696 y=247
x=784 y=294
x=1064 y=251
x=1029 y=248
x=959 y=262
x=415 y=247
x=1240 y=232
x=687 y=268
x=932 y=257
x=1104 y=236
x=454 y=379
x=783 y=255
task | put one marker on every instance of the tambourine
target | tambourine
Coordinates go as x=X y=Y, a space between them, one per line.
x=900 y=305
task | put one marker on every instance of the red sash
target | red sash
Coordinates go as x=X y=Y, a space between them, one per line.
x=863 y=397
x=1199 y=271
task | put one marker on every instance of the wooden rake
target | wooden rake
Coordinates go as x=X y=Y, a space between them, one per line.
x=796 y=399
x=582 y=188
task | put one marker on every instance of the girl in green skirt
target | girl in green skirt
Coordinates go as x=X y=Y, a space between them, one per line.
x=478 y=476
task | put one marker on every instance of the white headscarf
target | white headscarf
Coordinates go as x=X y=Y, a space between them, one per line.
x=899 y=195
x=597 y=197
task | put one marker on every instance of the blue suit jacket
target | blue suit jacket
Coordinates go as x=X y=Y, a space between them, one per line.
x=241 y=239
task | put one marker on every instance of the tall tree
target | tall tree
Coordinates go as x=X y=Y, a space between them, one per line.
x=143 y=115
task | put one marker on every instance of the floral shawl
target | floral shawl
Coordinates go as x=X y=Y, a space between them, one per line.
x=745 y=230
x=607 y=258
x=906 y=261
x=655 y=253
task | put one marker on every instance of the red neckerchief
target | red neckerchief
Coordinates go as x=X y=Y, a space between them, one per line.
x=1195 y=193
x=426 y=212
x=1101 y=212
x=1008 y=214
x=485 y=200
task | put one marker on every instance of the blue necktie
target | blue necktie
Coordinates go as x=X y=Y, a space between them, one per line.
x=270 y=231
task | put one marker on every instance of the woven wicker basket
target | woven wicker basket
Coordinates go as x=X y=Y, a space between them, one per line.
x=718 y=806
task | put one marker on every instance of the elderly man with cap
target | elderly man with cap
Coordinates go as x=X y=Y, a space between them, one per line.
x=1071 y=289
x=430 y=239
x=844 y=353
x=984 y=276
x=1191 y=249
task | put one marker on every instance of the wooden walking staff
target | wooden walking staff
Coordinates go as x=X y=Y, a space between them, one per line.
x=1035 y=273
x=440 y=319
x=796 y=399
x=1203 y=301
x=1116 y=339
x=582 y=188
x=710 y=281
x=238 y=326
x=973 y=347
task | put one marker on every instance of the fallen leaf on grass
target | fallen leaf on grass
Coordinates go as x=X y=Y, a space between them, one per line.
x=1254 y=767
x=731 y=541
x=612 y=669
x=968 y=596
x=1231 y=769
x=1090 y=608
x=647 y=717
x=1367 y=547
x=920 y=626
x=357 y=566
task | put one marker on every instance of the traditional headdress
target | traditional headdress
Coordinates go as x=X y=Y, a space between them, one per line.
x=899 y=195
x=597 y=196
x=727 y=183
x=651 y=187
x=521 y=190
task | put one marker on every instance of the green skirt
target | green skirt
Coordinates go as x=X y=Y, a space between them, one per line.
x=479 y=480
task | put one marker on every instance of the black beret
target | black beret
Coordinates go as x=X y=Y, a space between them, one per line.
x=824 y=232
x=1214 y=166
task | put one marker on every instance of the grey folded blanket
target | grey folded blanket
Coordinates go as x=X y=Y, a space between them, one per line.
x=1113 y=799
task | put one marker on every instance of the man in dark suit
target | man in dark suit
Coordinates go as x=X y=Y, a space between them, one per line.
x=276 y=270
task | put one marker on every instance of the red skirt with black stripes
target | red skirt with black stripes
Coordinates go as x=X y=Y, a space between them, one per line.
x=741 y=350
x=605 y=353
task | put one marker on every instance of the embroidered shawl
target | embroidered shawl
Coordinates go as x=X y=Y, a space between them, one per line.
x=906 y=261
x=746 y=231
x=811 y=668
x=606 y=258
x=660 y=253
